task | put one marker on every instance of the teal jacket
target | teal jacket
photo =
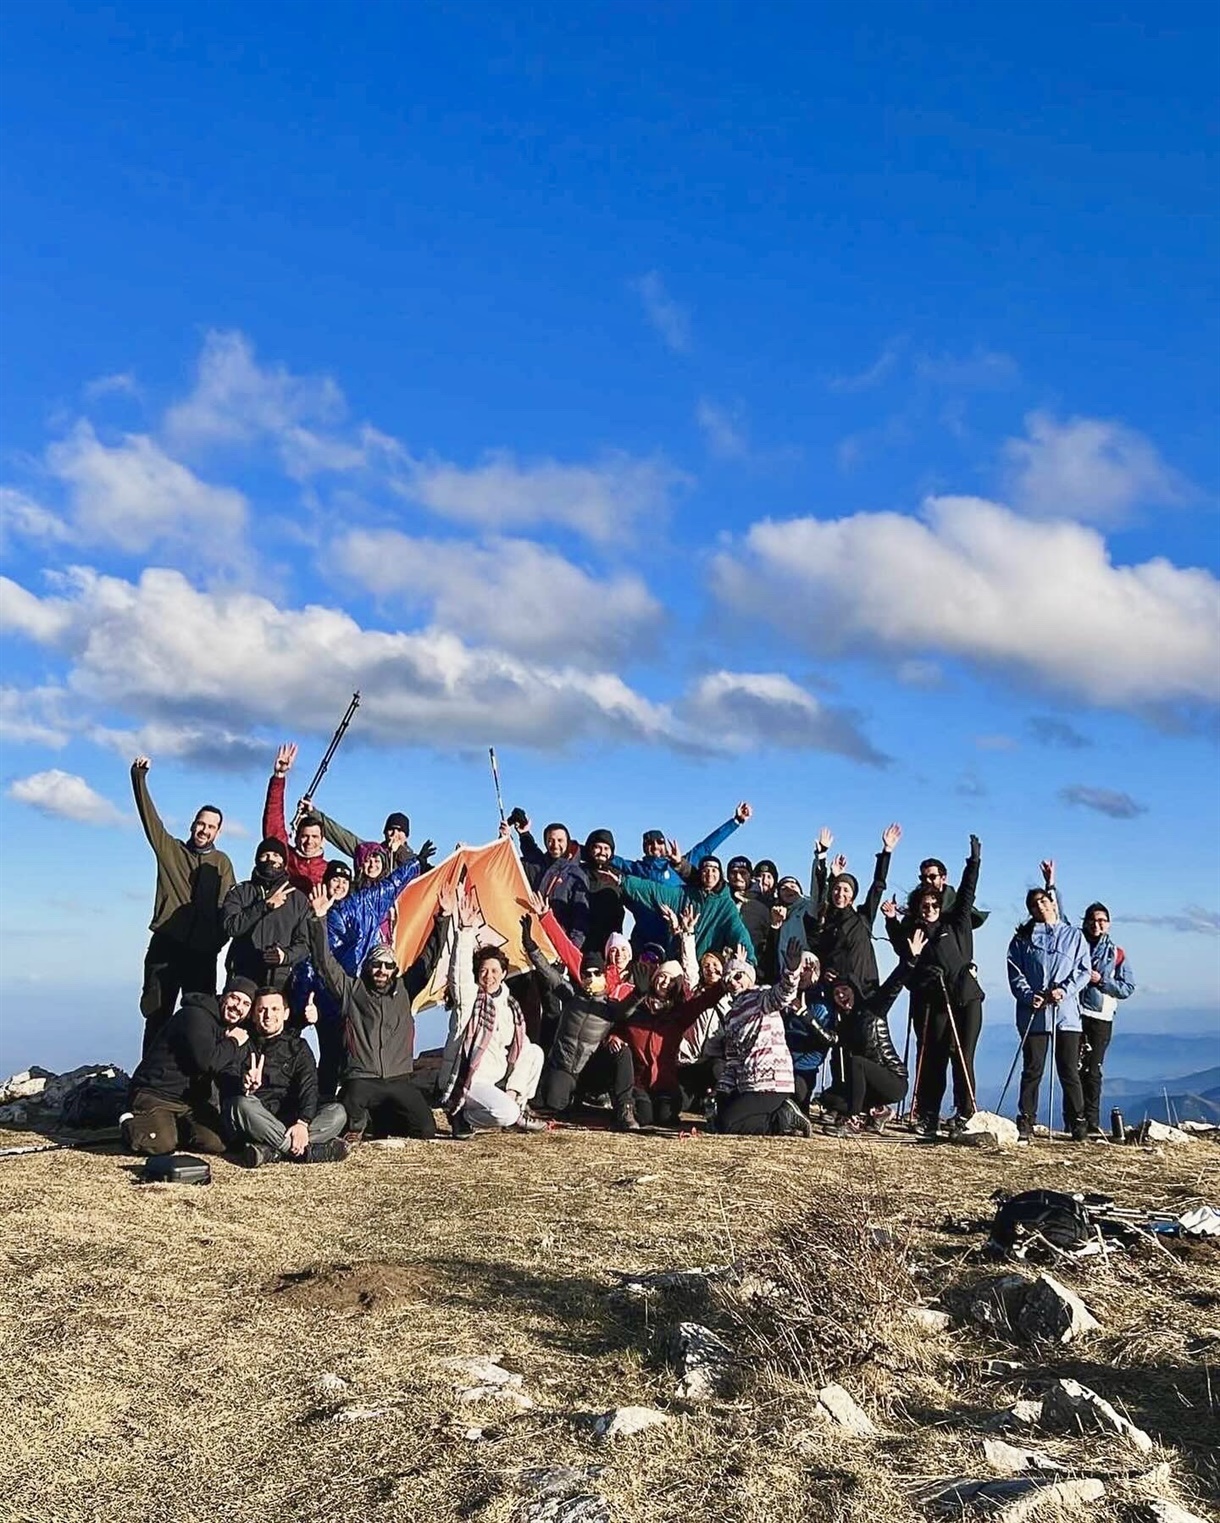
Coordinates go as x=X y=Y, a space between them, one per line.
x=719 y=924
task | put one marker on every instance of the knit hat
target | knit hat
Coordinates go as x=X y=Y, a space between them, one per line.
x=741 y=965
x=672 y=967
x=382 y=952
x=396 y=821
x=366 y=851
x=238 y=985
x=616 y=939
x=788 y=878
x=765 y=865
x=652 y=951
x=847 y=878
x=592 y=962
x=653 y=838
x=600 y=838
x=743 y=862
x=336 y=870
x=272 y=843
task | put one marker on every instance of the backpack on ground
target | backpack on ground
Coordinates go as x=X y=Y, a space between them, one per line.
x=1050 y=1215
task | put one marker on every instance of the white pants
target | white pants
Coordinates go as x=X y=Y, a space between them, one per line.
x=487 y=1105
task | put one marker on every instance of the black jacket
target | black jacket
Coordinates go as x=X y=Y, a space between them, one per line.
x=254 y=927
x=843 y=939
x=289 y=1088
x=585 y=1021
x=606 y=911
x=755 y=912
x=864 y=1031
x=189 y=1053
x=946 y=964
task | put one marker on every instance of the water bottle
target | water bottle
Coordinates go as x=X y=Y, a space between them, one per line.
x=1117 y=1129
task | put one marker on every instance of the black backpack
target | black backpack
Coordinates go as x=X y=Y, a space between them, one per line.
x=97 y=1103
x=1060 y=1219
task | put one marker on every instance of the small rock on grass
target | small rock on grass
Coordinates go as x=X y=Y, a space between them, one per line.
x=483 y=1369
x=1051 y=1313
x=1013 y=1501
x=840 y=1409
x=703 y=1360
x=1069 y=1405
x=1007 y=1459
x=1161 y=1511
x=622 y=1422
x=586 y=1508
x=330 y=1383
x=558 y=1480
x=931 y=1320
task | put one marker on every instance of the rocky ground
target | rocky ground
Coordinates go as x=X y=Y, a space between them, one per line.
x=508 y=1331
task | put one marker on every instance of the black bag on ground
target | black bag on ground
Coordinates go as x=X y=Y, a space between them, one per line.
x=176 y=1169
x=97 y=1103
x=1061 y=1219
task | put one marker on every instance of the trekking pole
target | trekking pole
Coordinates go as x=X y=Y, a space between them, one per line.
x=1050 y=1120
x=495 y=777
x=921 y=1048
x=999 y=1105
x=957 y=1044
x=329 y=756
x=906 y=1051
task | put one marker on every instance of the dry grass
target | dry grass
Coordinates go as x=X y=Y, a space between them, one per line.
x=163 y=1345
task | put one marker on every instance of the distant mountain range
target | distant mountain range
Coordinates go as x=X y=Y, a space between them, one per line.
x=1192 y=1097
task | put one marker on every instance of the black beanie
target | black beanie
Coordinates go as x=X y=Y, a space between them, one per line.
x=765 y=864
x=592 y=962
x=336 y=870
x=652 y=837
x=238 y=985
x=739 y=862
x=604 y=837
x=272 y=843
x=396 y=821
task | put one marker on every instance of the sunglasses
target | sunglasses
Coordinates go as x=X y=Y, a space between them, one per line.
x=382 y=962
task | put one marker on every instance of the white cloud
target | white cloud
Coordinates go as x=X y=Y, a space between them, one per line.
x=133 y=495
x=663 y=312
x=980 y=370
x=881 y=368
x=1087 y=468
x=725 y=436
x=33 y=716
x=65 y=796
x=22 y=518
x=120 y=384
x=42 y=620
x=1119 y=806
x=752 y=711
x=510 y=593
x=973 y=580
x=602 y=501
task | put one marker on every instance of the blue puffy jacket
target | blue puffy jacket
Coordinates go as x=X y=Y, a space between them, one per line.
x=353 y=926
x=1044 y=958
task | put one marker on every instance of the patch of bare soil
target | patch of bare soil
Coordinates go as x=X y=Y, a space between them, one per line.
x=364 y=1287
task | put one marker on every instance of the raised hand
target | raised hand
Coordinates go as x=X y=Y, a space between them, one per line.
x=739 y=952
x=468 y=911
x=891 y=836
x=319 y=902
x=425 y=854
x=504 y=831
x=795 y=955
x=825 y=840
x=310 y=1012
x=670 y=916
x=838 y=865
x=889 y=908
x=447 y=900
x=779 y=913
x=278 y=897
x=253 y=1080
x=743 y=812
x=688 y=920
x=1047 y=868
x=284 y=759
x=673 y=851
x=917 y=942
x=141 y=764
x=527 y=930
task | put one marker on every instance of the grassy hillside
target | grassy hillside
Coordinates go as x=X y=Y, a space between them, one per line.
x=164 y=1346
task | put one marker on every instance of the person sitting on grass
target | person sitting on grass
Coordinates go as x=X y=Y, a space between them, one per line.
x=171 y=1090
x=271 y=1106
x=755 y=1094
x=490 y=1068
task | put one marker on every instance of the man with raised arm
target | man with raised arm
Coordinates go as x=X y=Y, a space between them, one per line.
x=307 y=855
x=557 y=874
x=193 y=877
x=841 y=934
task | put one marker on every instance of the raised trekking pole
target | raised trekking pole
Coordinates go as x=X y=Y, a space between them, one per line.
x=495 y=777
x=328 y=757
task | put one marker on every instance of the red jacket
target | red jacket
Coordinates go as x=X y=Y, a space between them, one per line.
x=655 y=1036
x=304 y=873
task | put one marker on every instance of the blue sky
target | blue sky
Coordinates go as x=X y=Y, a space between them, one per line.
x=694 y=403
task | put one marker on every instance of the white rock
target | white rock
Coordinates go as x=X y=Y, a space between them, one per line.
x=1157 y=1131
x=1007 y=1459
x=1022 y=1414
x=586 y=1508
x=1069 y=1405
x=1051 y=1313
x=507 y=1394
x=931 y=1320
x=558 y=1480
x=985 y=1126
x=1058 y=1494
x=622 y=1422
x=331 y=1383
x=837 y=1407
x=26 y=1085
x=1161 y=1511
x=483 y=1369
x=1013 y=1501
x=648 y=1282
x=703 y=1360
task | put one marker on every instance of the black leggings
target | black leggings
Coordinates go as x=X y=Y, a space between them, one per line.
x=865 y=1084
x=937 y=1051
x=748 y=1114
x=1094 y=1040
x=390 y=1107
x=1067 y=1065
x=657 y=1107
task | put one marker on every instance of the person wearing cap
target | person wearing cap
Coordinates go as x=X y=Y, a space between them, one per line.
x=841 y=934
x=616 y=956
x=395 y=837
x=379 y=1034
x=267 y=919
x=755 y=1092
x=655 y=866
x=193 y=877
x=270 y=1105
x=605 y=902
x=490 y=1068
x=754 y=909
x=585 y=1057
x=170 y=1102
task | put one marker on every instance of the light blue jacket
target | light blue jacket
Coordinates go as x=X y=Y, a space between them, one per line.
x=1116 y=979
x=1049 y=957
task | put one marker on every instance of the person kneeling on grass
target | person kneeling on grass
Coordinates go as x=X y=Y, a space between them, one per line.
x=755 y=1091
x=490 y=1068
x=379 y=1031
x=271 y=1107
x=874 y=1077
x=171 y=1089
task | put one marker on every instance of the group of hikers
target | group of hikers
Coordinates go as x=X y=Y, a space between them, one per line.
x=739 y=996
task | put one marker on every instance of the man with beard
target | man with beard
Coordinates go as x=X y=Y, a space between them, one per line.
x=557 y=874
x=193 y=878
x=271 y=1105
x=379 y=1034
x=755 y=911
x=171 y=1103
x=841 y=934
x=268 y=921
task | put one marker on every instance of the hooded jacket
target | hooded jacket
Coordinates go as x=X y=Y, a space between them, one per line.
x=353 y=926
x=864 y=1030
x=719 y=924
x=843 y=939
x=191 y=885
x=648 y=923
x=255 y=926
x=563 y=883
x=304 y=873
x=379 y=1029
x=1042 y=958
x=289 y=1089
x=585 y=1021
x=1117 y=980
x=189 y=1053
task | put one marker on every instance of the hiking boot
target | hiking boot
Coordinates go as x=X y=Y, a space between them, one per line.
x=459 y=1128
x=877 y=1119
x=791 y=1121
x=334 y=1151
x=254 y=1155
x=927 y=1129
x=1080 y=1132
x=846 y=1126
x=353 y=1140
x=625 y=1118
x=956 y=1124
x=528 y=1122
x=1025 y=1131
